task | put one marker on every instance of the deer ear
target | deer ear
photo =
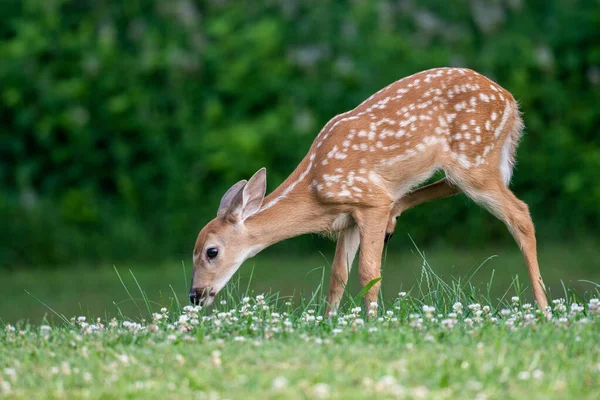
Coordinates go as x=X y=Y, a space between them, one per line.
x=229 y=196
x=248 y=201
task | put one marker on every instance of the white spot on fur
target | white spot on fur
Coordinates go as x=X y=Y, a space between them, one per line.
x=505 y=115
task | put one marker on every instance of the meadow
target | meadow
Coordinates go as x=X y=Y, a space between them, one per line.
x=449 y=325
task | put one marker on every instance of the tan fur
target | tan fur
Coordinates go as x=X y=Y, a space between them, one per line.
x=362 y=170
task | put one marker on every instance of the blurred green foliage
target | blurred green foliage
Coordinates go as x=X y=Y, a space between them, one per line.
x=123 y=122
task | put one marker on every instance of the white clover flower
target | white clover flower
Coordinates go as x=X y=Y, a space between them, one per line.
x=246 y=300
x=356 y=310
x=486 y=309
x=526 y=306
x=537 y=374
x=524 y=375
x=372 y=329
x=457 y=307
x=81 y=319
x=157 y=317
x=287 y=303
x=387 y=380
x=371 y=312
x=374 y=305
x=215 y=358
x=336 y=331
x=515 y=299
x=10 y=328
x=321 y=390
x=402 y=294
x=576 y=308
x=45 y=328
x=5 y=387
x=279 y=383
x=123 y=358
x=475 y=307
x=505 y=312
x=223 y=302
x=594 y=307
x=448 y=323
x=163 y=310
x=428 y=309
x=389 y=313
x=416 y=323
x=420 y=392
x=10 y=372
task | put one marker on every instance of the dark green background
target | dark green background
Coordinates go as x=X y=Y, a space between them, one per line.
x=123 y=122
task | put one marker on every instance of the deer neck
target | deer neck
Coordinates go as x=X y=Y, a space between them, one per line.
x=291 y=210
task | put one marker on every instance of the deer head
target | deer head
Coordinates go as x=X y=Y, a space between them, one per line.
x=225 y=242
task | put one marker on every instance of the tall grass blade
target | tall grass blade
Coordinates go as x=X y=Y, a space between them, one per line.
x=59 y=315
x=127 y=290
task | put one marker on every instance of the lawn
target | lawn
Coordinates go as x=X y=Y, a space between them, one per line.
x=269 y=347
x=98 y=292
x=456 y=326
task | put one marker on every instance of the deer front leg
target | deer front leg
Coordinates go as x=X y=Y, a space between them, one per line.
x=437 y=190
x=371 y=224
x=345 y=251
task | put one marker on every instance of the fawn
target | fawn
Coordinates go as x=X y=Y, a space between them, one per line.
x=361 y=172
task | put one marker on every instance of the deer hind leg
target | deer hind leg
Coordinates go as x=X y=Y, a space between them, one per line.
x=371 y=224
x=345 y=251
x=440 y=189
x=501 y=202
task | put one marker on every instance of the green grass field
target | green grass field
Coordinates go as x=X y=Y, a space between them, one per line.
x=438 y=343
x=421 y=344
x=97 y=291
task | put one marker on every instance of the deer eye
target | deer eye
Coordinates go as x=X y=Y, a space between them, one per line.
x=212 y=252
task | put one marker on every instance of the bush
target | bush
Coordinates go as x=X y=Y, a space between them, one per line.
x=124 y=122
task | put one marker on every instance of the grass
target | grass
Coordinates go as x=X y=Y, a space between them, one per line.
x=445 y=338
x=98 y=292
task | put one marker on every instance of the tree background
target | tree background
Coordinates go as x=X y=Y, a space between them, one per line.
x=123 y=122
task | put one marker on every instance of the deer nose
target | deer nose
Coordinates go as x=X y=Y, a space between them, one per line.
x=193 y=298
x=198 y=295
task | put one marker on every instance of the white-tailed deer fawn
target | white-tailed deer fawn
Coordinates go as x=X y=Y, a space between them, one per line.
x=361 y=173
